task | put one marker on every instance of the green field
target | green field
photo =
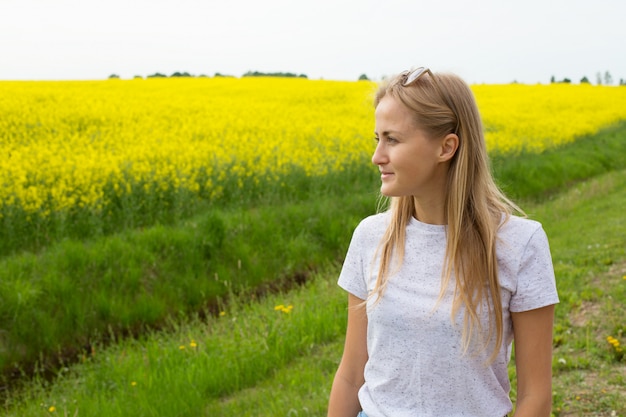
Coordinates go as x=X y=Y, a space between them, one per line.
x=235 y=312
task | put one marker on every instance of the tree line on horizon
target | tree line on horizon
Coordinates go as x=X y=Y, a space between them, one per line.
x=601 y=78
x=178 y=74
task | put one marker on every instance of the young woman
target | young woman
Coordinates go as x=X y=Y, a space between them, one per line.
x=441 y=283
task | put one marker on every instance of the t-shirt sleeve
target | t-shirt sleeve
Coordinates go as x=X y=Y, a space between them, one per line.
x=352 y=276
x=536 y=283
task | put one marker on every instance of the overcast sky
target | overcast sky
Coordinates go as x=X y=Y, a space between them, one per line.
x=490 y=41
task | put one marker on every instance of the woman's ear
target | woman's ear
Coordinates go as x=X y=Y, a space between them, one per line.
x=449 y=145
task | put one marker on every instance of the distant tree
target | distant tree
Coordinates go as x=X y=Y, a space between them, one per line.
x=138 y=77
x=157 y=75
x=363 y=77
x=608 y=80
x=622 y=81
x=584 y=80
x=113 y=76
x=599 y=78
x=273 y=74
x=564 y=80
x=181 y=74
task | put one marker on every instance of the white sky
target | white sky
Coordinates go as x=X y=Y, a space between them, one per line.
x=491 y=41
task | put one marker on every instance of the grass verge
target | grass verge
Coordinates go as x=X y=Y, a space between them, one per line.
x=176 y=373
x=533 y=177
x=58 y=304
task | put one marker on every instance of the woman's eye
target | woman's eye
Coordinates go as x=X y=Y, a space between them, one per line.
x=387 y=139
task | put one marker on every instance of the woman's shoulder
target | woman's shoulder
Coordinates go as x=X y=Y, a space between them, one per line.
x=375 y=224
x=377 y=219
x=519 y=223
x=518 y=229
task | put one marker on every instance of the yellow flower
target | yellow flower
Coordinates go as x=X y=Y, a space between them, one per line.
x=181 y=347
x=52 y=409
x=222 y=313
x=612 y=341
x=193 y=344
x=284 y=309
x=133 y=384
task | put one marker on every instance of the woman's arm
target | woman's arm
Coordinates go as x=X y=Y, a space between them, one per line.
x=349 y=377
x=533 y=361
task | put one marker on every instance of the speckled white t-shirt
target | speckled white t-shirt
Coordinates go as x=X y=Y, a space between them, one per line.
x=416 y=366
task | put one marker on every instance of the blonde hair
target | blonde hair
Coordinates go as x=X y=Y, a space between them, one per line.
x=474 y=205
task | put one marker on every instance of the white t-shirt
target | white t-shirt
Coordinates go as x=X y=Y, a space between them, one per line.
x=416 y=364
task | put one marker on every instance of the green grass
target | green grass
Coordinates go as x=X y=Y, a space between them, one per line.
x=74 y=294
x=178 y=372
x=258 y=361
x=587 y=230
x=533 y=177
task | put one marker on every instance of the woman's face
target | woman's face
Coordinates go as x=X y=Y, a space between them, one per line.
x=410 y=163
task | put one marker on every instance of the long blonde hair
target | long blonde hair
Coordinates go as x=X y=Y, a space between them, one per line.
x=474 y=205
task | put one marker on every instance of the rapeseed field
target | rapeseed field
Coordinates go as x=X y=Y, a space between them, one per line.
x=80 y=145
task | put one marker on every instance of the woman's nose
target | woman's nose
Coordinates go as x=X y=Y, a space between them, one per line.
x=380 y=155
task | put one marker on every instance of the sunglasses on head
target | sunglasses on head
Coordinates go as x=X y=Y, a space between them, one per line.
x=412 y=76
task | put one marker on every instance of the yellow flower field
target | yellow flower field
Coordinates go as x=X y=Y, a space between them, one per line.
x=68 y=144
x=537 y=117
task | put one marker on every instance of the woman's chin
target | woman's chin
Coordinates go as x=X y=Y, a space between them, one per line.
x=387 y=192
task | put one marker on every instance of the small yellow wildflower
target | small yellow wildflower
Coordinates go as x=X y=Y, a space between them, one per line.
x=222 y=313
x=613 y=341
x=284 y=309
x=52 y=409
x=181 y=347
x=193 y=344
x=133 y=384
